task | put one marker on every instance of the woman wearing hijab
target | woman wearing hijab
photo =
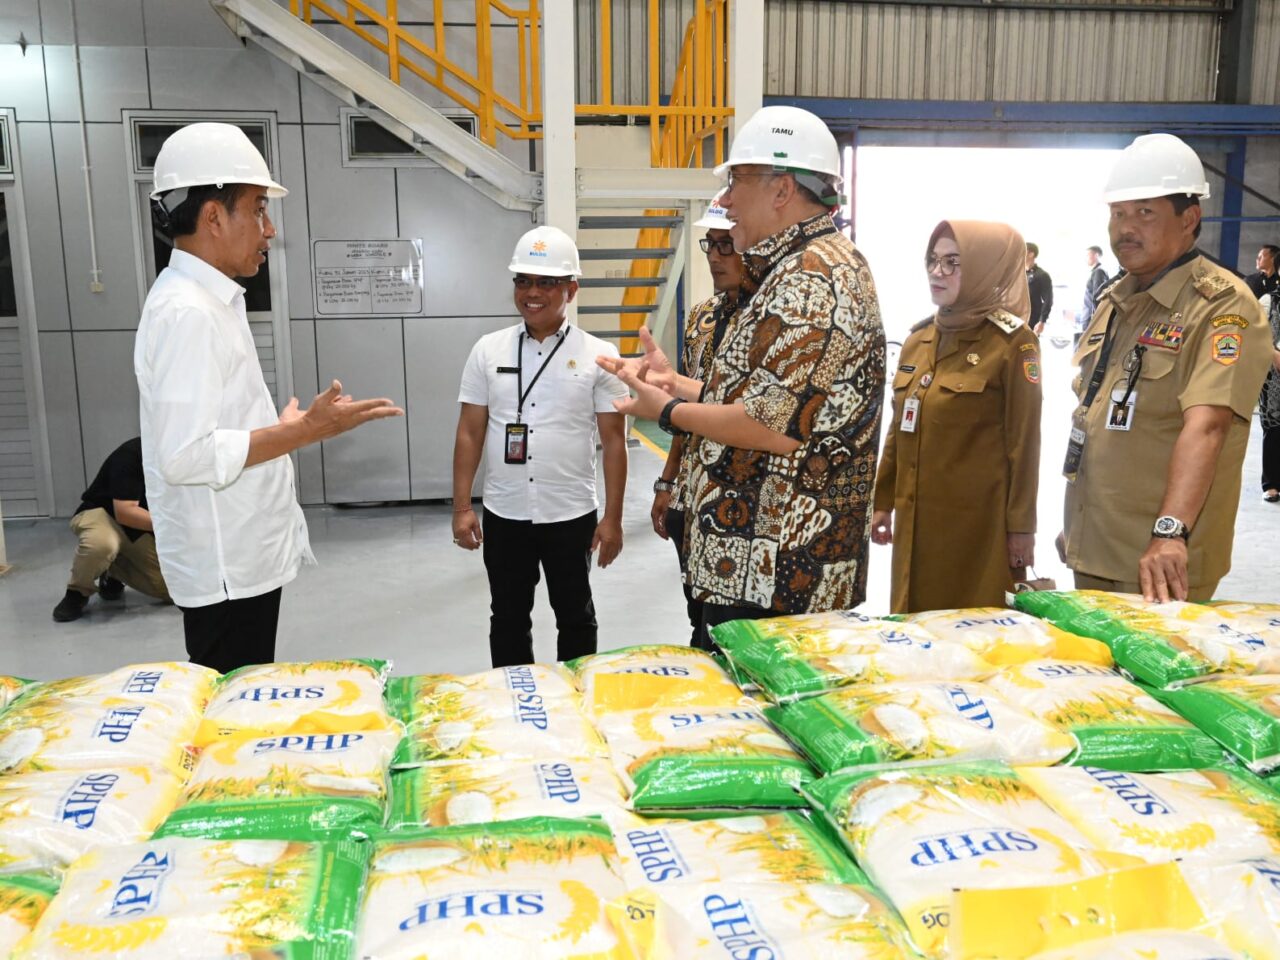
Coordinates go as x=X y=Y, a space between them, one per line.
x=961 y=462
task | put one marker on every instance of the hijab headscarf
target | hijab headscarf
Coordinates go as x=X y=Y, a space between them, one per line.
x=993 y=273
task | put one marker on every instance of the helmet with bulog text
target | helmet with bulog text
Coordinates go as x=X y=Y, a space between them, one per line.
x=547 y=252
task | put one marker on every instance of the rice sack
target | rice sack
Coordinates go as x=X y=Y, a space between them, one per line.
x=24 y=898
x=1243 y=900
x=182 y=689
x=442 y=795
x=1147 y=945
x=1205 y=815
x=642 y=678
x=304 y=785
x=497 y=725
x=722 y=921
x=917 y=721
x=49 y=819
x=1160 y=644
x=1241 y=713
x=922 y=832
x=54 y=734
x=773 y=848
x=327 y=696
x=415 y=697
x=10 y=689
x=170 y=898
x=1005 y=637
x=699 y=758
x=1116 y=723
x=798 y=656
x=524 y=890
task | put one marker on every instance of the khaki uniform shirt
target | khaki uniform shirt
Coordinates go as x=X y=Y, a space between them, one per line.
x=1207 y=343
x=962 y=473
x=805 y=358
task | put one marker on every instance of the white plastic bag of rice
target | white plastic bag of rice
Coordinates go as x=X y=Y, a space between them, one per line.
x=1147 y=945
x=1006 y=637
x=645 y=677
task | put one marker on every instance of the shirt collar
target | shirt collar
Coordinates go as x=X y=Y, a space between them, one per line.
x=1167 y=285
x=206 y=274
x=759 y=261
x=560 y=331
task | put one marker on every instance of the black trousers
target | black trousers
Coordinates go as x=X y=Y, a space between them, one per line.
x=1271 y=458
x=714 y=614
x=513 y=552
x=675 y=530
x=233 y=633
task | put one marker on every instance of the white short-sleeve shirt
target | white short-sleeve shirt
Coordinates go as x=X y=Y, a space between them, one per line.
x=223 y=531
x=558 y=480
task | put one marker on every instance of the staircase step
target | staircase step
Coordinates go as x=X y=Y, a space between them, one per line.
x=621 y=281
x=627 y=222
x=617 y=308
x=627 y=253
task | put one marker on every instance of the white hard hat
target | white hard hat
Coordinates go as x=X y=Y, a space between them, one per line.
x=715 y=218
x=788 y=138
x=209 y=154
x=547 y=252
x=1155 y=165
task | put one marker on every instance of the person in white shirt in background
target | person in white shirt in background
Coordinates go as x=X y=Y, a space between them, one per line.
x=533 y=401
x=229 y=531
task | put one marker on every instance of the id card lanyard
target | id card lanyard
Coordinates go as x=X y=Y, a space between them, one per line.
x=517 y=434
x=1075 y=445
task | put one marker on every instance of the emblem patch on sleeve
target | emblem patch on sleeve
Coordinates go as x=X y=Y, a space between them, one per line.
x=1226 y=347
x=1031 y=369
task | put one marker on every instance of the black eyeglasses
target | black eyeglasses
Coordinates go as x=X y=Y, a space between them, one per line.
x=723 y=247
x=542 y=283
x=1132 y=365
x=945 y=266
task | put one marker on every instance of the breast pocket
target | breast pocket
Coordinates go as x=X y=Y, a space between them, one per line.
x=963 y=398
x=1157 y=388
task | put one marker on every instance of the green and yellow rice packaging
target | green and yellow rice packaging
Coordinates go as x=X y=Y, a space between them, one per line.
x=441 y=795
x=1240 y=713
x=48 y=819
x=1117 y=724
x=300 y=785
x=648 y=677
x=703 y=758
x=799 y=656
x=24 y=897
x=1004 y=637
x=181 y=897
x=917 y=722
x=521 y=890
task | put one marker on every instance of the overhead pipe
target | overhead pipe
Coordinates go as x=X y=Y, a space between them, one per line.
x=95 y=273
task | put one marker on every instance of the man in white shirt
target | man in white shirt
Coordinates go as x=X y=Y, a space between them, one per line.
x=229 y=531
x=533 y=401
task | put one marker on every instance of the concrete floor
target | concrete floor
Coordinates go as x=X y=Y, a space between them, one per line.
x=390 y=583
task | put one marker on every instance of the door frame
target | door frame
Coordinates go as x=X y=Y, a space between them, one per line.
x=137 y=176
x=28 y=329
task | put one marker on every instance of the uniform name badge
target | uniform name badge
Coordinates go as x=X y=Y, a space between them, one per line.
x=517 y=445
x=910 y=414
x=1075 y=453
x=1120 y=412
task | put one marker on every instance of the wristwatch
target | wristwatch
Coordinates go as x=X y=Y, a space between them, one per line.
x=664 y=418
x=1167 y=528
x=663 y=486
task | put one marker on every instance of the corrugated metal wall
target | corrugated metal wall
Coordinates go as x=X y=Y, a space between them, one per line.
x=826 y=49
x=1266 y=53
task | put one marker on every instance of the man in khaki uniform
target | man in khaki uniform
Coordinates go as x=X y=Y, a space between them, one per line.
x=1170 y=367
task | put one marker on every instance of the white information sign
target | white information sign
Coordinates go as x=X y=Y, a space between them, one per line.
x=368 y=277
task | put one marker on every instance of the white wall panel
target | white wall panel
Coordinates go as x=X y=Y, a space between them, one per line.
x=467 y=243
x=62 y=415
x=297 y=230
x=100 y=22
x=23 y=86
x=117 y=307
x=115 y=79
x=348 y=203
x=185 y=23
x=108 y=392
x=20 y=16
x=193 y=78
x=371 y=463
x=44 y=228
x=308 y=461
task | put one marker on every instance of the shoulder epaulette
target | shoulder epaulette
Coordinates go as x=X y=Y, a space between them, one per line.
x=1211 y=286
x=921 y=325
x=1005 y=320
